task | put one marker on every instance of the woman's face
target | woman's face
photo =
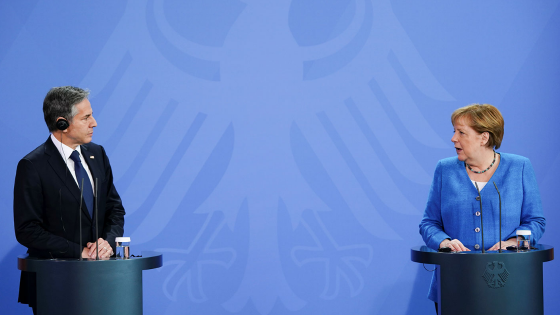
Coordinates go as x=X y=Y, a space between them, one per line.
x=469 y=144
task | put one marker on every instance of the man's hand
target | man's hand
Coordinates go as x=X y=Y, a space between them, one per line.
x=85 y=253
x=105 y=250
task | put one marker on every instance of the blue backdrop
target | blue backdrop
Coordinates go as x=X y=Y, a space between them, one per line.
x=279 y=153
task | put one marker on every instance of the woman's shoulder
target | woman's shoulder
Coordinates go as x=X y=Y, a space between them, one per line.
x=514 y=159
x=449 y=162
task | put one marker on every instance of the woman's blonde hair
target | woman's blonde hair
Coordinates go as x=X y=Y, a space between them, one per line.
x=483 y=118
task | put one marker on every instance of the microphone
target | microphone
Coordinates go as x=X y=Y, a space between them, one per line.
x=96 y=219
x=80 y=214
x=500 y=198
x=481 y=221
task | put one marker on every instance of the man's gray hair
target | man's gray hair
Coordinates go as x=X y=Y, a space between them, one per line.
x=60 y=102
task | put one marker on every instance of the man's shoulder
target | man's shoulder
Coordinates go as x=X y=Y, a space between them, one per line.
x=37 y=154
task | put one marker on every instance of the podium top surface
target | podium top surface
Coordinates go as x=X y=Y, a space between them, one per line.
x=149 y=260
x=426 y=255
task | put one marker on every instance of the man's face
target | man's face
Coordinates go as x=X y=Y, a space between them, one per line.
x=80 y=130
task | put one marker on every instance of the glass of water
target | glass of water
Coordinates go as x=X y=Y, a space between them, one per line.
x=523 y=240
x=123 y=247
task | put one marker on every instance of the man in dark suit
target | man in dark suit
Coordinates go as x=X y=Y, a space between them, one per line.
x=48 y=185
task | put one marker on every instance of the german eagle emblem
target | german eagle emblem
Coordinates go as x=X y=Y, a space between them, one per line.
x=496 y=274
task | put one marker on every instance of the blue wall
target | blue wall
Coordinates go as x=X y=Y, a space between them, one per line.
x=279 y=153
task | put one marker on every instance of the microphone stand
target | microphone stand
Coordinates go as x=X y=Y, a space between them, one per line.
x=500 y=198
x=96 y=225
x=481 y=220
x=80 y=215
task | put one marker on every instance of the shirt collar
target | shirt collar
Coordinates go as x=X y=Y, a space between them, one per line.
x=63 y=149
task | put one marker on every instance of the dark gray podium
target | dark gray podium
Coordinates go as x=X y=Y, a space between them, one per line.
x=71 y=286
x=488 y=283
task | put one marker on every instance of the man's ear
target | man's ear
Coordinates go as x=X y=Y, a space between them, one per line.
x=62 y=124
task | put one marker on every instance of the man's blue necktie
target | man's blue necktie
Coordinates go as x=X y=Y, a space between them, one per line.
x=81 y=173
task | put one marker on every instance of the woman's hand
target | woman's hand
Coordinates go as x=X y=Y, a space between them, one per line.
x=511 y=242
x=455 y=245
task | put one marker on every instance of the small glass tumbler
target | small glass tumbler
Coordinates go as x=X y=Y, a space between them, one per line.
x=123 y=247
x=523 y=240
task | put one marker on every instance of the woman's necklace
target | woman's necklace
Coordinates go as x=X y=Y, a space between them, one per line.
x=485 y=169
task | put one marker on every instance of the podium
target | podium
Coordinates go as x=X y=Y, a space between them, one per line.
x=71 y=286
x=488 y=283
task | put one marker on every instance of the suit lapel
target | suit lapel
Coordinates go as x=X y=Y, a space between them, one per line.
x=59 y=166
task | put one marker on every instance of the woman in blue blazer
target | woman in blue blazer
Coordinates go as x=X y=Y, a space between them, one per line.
x=452 y=217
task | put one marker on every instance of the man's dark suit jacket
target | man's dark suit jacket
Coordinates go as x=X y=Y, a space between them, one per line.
x=46 y=203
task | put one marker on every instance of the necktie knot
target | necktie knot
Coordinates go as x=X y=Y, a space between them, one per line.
x=75 y=156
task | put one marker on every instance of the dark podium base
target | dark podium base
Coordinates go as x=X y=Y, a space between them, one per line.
x=490 y=283
x=71 y=286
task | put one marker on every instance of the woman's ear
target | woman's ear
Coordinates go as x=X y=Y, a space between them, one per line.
x=485 y=138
